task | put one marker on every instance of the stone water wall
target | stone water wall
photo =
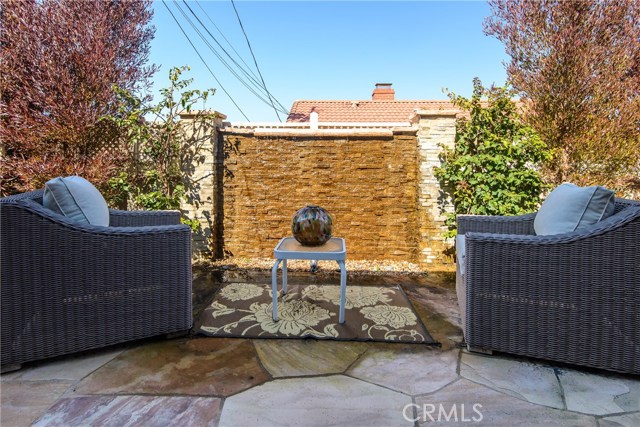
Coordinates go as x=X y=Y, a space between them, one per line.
x=367 y=182
x=377 y=183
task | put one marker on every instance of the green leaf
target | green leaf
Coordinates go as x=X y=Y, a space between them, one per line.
x=492 y=170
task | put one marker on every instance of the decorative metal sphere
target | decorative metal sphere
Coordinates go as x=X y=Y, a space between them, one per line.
x=311 y=226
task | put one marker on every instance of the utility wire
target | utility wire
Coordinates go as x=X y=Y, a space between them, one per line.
x=204 y=39
x=204 y=62
x=231 y=70
x=225 y=39
x=253 y=76
x=256 y=83
x=254 y=60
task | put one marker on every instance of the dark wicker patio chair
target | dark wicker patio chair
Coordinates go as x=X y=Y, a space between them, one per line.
x=572 y=297
x=69 y=287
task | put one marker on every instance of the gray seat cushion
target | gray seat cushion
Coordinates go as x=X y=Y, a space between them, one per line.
x=569 y=207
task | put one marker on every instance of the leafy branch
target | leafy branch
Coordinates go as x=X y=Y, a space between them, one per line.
x=493 y=167
x=156 y=173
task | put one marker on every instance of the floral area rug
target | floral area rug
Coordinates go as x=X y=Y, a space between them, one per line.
x=372 y=313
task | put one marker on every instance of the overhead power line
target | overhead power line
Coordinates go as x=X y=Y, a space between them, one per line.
x=254 y=59
x=246 y=73
x=253 y=77
x=252 y=80
x=203 y=61
x=225 y=39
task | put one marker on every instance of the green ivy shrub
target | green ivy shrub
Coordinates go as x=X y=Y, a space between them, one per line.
x=493 y=168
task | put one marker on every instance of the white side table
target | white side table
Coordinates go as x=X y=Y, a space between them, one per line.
x=289 y=248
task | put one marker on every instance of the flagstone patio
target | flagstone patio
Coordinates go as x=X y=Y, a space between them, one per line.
x=204 y=381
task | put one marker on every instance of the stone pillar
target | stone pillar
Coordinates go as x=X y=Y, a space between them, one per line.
x=199 y=166
x=436 y=128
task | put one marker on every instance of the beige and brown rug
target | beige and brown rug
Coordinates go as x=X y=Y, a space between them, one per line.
x=373 y=313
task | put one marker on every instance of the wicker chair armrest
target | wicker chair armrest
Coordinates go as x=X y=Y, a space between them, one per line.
x=118 y=218
x=621 y=221
x=57 y=220
x=50 y=222
x=33 y=195
x=518 y=224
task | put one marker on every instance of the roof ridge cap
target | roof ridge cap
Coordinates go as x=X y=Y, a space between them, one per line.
x=373 y=100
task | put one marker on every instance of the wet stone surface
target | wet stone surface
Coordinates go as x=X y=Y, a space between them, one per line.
x=70 y=368
x=411 y=369
x=441 y=315
x=321 y=401
x=24 y=402
x=288 y=358
x=203 y=367
x=533 y=382
x=599 y=394
x=468 y=403
x=437 y=300
x=116 y=411
x=628 y=420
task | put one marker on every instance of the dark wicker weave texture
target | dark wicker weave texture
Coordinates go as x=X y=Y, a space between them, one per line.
x=69 y=287
x=572 y=298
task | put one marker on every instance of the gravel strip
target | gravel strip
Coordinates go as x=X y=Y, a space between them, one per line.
x=374 y=267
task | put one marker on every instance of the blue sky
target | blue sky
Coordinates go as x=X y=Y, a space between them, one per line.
x=331 y=50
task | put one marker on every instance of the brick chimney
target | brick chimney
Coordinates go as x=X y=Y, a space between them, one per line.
x=383 y=92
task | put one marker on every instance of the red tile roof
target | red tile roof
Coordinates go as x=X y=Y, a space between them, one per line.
x=363 y=111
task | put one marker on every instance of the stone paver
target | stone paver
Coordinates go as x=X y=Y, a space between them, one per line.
x=438 y=310
x=206 y=366
x=147 y=411
x=411 y=369
x=320 y=401
x=528 y=381
x=599 y=395
x=314 y=383
x=440 y=300
x=24 y=402
x=468 y=403
x=628 y=420
x=72 y=368
x=287 y=358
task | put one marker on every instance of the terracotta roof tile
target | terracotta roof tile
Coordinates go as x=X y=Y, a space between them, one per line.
x=363 y=111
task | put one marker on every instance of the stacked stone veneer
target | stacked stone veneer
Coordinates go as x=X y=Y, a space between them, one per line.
x=378 y=184
x=435 y=130
x=367 y=182
x=199 y=164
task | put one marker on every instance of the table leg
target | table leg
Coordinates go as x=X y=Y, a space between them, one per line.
x=274 y=289
x=284 y=276
x=343 y=289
